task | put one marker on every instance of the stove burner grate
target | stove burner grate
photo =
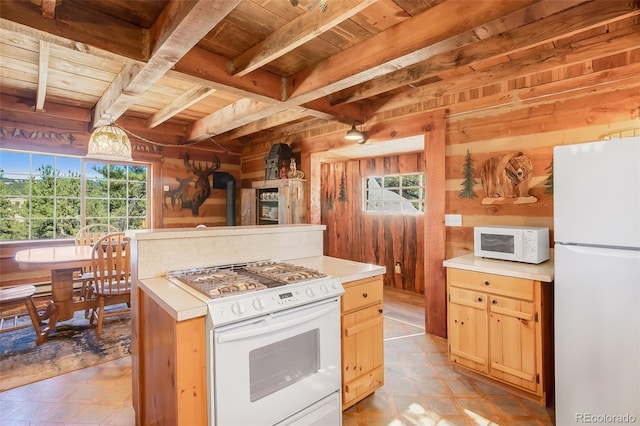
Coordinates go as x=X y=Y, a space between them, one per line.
x=227 y=280
x=283 y=272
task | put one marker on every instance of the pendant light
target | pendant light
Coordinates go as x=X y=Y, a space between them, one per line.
x=109 y=143
x=356 y=135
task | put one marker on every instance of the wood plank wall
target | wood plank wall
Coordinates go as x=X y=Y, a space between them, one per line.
x=532 y=129
x=213 y=211
x=372 y=238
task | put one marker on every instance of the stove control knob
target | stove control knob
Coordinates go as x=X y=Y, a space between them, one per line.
x=310 y=292
x=237 y=308
x=324 y=288
x=258 y=304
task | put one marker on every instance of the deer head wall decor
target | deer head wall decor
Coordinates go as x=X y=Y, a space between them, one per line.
x=192 y=193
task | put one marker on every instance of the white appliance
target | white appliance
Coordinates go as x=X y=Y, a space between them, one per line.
x=273 y=342
x=516 y=243
x=597 y=282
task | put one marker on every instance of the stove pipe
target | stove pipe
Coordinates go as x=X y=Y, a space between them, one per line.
x=223 y=180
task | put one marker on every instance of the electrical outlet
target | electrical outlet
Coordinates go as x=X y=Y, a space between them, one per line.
x=453 y=220
x=165 y=188
x=398 y=268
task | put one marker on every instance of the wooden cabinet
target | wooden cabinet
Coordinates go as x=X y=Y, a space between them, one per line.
x=273 y=202
x=500 y=327
x=169 y=365
x=362 y=339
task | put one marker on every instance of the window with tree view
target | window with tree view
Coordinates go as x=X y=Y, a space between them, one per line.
x=49 y=197
x=398 y=194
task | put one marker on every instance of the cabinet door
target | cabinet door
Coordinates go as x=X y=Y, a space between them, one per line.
x=362 y=352
x=468 y=338
x=513 y=342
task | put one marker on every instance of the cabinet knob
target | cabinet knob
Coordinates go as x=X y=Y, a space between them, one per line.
x=379 y=311
x=486 y=283
x=364 y=295
x=479 y=299
x=494 y=301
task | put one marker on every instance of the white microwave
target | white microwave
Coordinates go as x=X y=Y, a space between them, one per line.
x=516 y=243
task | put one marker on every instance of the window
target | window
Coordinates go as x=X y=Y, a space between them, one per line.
x=48 y=196
x=399 y=194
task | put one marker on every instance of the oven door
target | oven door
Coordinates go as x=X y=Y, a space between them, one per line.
x=269 y=368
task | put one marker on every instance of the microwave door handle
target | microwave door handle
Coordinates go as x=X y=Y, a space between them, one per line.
x=265 y=326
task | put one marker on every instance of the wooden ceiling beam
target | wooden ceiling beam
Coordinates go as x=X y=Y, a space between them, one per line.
x=43 y=74
x=180 y=26
x=54 y=110
x=179 y=104
x=231 y=117
x=204 y=68
x=615 y=80
x=294 y=34
x=25 y=33
x=321 y=108
x=80 y=29
x=210 y=70
x=314 y=98
x=589 y=49
x=264 y=124
x=558 y=25
x=318 y=109
x=439 y=29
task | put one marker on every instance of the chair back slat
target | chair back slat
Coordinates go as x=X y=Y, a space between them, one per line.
x=111 y=258
x=89 y=234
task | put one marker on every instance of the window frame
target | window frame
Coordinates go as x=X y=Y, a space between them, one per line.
x=399 y=189
x=85 y=173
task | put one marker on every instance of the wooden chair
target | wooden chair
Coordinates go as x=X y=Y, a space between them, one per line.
x=89 y=234
x=111 y=259
x=10 y=300
x=86 y=236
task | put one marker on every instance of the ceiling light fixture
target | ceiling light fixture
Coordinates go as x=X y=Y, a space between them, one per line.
x=109 y=143
x=354 y=134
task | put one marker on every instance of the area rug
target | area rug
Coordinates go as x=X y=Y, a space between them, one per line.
x=72 y=346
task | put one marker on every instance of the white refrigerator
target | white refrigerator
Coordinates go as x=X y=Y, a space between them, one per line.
x=597 y=282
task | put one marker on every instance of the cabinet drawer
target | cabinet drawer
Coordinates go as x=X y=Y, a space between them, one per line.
x=361 y=293
x=495 y=284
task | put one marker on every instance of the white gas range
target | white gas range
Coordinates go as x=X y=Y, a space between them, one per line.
x=273 y=341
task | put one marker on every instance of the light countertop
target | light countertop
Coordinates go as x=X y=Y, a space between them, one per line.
x=182 y=304
x=469 y=262
x=344 y=270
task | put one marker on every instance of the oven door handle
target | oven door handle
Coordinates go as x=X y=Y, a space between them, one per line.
x=273 y=323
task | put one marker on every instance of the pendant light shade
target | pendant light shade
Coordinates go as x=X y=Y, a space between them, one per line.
x=356 y=135
x=109 y=143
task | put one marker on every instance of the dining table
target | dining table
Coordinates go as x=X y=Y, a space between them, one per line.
x=64 y=262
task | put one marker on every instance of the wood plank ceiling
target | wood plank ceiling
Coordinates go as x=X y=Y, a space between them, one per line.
x=244 y=71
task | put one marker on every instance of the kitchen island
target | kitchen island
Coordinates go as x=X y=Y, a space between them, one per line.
x=169 y=322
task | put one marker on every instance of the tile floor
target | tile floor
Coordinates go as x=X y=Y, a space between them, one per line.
x=421 y=388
